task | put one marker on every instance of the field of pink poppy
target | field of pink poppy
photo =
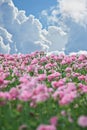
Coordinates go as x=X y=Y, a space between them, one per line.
x=41 y=92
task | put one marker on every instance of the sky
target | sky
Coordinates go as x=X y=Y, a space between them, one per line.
x=48 y=25
x=34 y=7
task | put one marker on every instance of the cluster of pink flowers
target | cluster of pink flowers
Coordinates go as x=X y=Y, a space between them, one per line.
x=66 y=93
x=36 y=77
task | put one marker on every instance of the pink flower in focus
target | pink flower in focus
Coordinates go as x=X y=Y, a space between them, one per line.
x=82 y=121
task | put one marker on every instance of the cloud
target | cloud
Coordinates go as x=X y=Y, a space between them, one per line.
x=7 y=37
x=5 y=49
x=57 y=37
x=65 y=28
x=74 y=16
x=25 y=30
x=75 y=9
x=67 y=9
x=26 y=33
x=71 y=16
x=77 y=38
x=5 y=40
x=51 y=16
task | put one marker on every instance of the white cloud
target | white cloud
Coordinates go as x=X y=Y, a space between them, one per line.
x=27 y=33
x=50 y=16
x=67 y=9
x=71 y=15
x=5 y=40
x=5 y=49
x=7 y=37
x=77 y=38
x=57 y=38
x=19 y=33
x=75 y=9
x=74 y=15
x=56 y=53
x=79 y=52
x=25 y=30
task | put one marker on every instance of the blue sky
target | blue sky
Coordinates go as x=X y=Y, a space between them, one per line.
x=49 y=25
x=34 y=6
